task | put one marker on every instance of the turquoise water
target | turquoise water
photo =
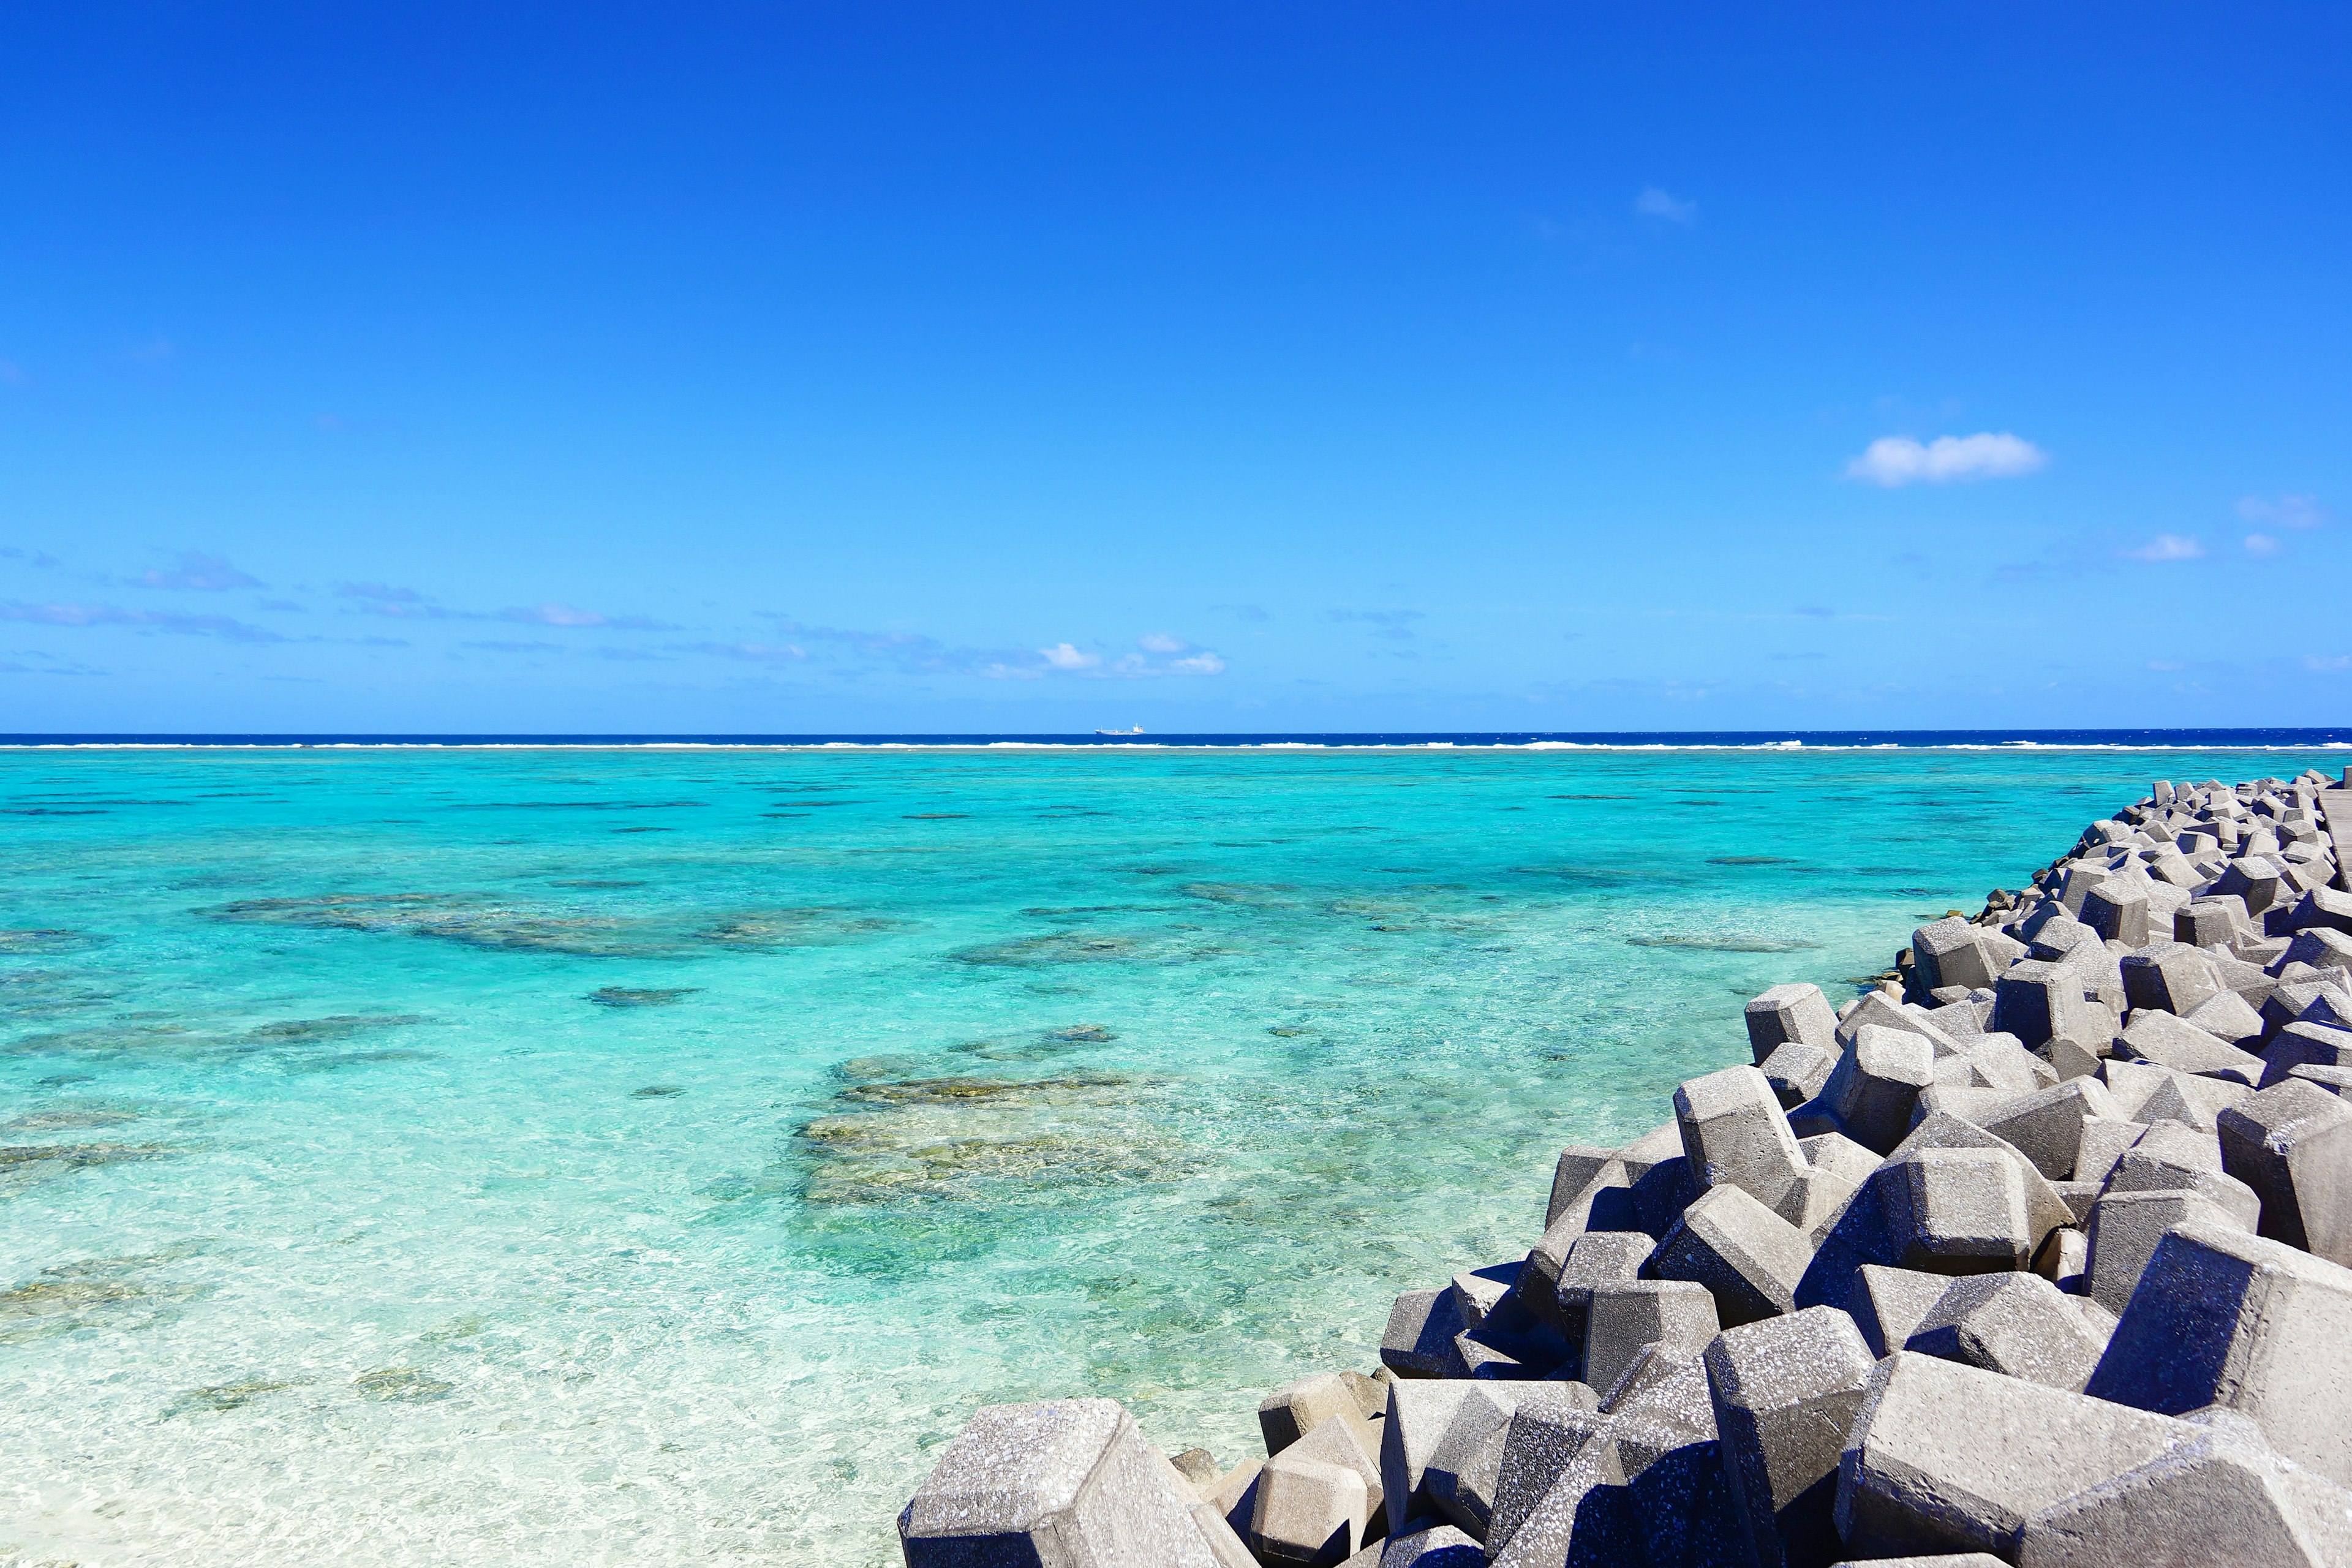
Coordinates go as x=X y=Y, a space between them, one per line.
x=644 y=1156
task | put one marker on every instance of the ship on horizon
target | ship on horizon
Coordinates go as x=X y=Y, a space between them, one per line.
x=1138 y=730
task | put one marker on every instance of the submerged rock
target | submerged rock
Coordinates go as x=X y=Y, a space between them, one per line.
x=404 y=1384
x=627 y=997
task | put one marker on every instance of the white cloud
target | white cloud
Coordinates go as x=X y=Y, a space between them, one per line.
x=1063 y=656
x=1892 y=461
x=2317 y=661
x=2287 y=511
x=2262 y=544
x=1161 y=642
x=1655 y=202
x=1199 y=664
x=2168 y=547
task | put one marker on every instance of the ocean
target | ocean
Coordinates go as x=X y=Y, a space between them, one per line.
x=516 y=1153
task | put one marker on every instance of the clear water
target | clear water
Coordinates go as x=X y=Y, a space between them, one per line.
x=641 y=1156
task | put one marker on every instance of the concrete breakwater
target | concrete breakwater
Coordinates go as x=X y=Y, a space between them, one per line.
x=2041 y=1252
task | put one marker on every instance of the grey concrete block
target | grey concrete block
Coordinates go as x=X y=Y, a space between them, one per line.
x=2065 y=1259
x=2037 y=1001
x=2175 y=1043
x=2103 y=1141
x=1439 y=1546
x=2019 y=1325
x=1067 y=1481
x=1544 y=1438
x=1784 y=1392
x=2324 y=907
x=2335 y=1080
x=2227 y=1017
x=1876 y=1083
x=2225 y=1318
x=1746 y=1256
x=1598 y=1258
x=2118 y=909
x=1419 y=1414
x=1419 y=1339
x=1790 y=1013
x=1888 y=1305
x=1458 y=1476
x=1626 y=1318
x=2305 y=1044
x=2124 y=1231
x=1948 y=1457
x=1579 y=1164
x=2250 y=879
x=1295 y=1409
x=1310 y=1513
x=2046 y=1126
x=2168 y=1158
x=2202 y=922
x=2169 y=977
x=1735 y=1133
x=1952 y=952
x=1879 y=1009
x=2320 y=946
x=1837 y=1154
x=2293 y=1146
x=2221 y=1497
x=1798 y=1072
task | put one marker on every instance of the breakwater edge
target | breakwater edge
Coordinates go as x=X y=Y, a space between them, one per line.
x=2034 y=1253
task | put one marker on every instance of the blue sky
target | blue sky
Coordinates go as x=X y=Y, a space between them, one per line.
x=788 y=367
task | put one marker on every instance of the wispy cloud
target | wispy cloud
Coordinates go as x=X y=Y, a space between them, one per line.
x=495 y=646
x=1161 y=642
x=1198 y=664
x=379 y=593
x=2168 y=547
x=751 y=652
x=2284 y=511
x=1253 y=613
x=1655 y=203
x=2327 y=661
x=2263 y=545
x=29 y=557
x=1393 y=624
x=1816 y=612
x=201 y=572
x=1896 y=460
x=555 y=614
x=1063 y=656
x=116 y=616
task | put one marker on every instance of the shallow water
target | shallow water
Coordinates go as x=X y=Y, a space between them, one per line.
x=642 y=1156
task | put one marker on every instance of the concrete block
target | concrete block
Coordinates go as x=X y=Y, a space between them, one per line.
x=1626 y=1318
x=2123 y=1233
x=1310 y=1513
x=1067 y=1482
x=2324 y=907
x=2225 y=1318
x=2222 y=1497
x=2046 y=1126
x=2175 y=1043
x=1784 y=1392
x=2118 y=909
x=1460 y=1474
x=1597 y=1258
x=1876 y=1083
x=1837 y=1154
x=1419 y=1414
x=1948 y=1457
x=2291 y=1144
x=2037 y=1001
x=2169 y=977
x=1419 y=1339
x=1733 y=1133
x=1746 y=1256
x=2305 y=1044
x=2065 y=1259
x=2227 y=1017
x=1544 y=1438
x=1790 y=1013
x=1888 y=1305
x=2148 y=1168
x=1439 y=1546
x=1579 y=1164
x=1886 y=1012
x=2202 y=922
x=2019 y=1325
x=1951 y=952
x=1295 y=1409
x=1798 y=1072
x=2250 y=879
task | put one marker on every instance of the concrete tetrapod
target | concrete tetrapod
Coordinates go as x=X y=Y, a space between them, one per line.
x=2292 y=1144
x=1735 y=1134
x=2223 y=1318
x=2019 y=1325
x=1749 y=1258
x=1066 y=1481
x=1785 y=1392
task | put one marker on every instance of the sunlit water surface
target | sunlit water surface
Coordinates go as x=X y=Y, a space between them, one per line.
x=635 y=1156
